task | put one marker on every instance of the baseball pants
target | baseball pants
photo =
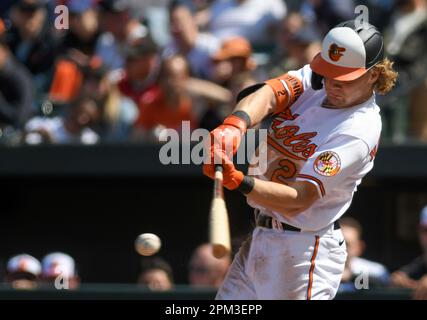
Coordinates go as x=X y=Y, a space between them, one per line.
x=280 y=264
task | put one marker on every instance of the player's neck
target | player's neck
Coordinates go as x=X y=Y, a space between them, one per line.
x=364 y=98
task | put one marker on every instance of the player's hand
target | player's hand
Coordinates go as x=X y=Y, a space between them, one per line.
x=232 y=178
x=225 y=138
x=228 y=135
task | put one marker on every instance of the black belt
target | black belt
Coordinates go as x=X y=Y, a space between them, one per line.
x=267 y=222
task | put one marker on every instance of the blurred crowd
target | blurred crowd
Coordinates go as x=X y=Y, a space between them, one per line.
x=111 y=71
x=58 y=270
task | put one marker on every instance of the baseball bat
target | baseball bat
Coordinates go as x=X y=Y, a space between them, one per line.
x=219 y=229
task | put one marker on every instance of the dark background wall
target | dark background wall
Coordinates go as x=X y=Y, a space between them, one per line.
x=96 y=220
x=95 y=209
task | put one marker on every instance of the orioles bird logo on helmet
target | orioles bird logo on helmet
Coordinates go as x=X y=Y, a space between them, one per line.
x=335 y=52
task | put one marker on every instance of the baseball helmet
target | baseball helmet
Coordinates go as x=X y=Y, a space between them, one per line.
x=349 y=50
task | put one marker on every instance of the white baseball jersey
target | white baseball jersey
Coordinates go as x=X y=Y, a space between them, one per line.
x=331 y=148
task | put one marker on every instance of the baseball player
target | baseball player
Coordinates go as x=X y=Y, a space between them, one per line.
x=322 y=141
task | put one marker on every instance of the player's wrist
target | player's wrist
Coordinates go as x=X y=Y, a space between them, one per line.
x=239 y=119
x=247 y=185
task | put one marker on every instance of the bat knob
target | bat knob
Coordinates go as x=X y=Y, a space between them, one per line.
x=218 y=167
x=219 y=251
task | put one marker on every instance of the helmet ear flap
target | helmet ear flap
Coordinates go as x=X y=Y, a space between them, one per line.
x=316 y=81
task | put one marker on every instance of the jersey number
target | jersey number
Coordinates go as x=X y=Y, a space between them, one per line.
x=287 y=170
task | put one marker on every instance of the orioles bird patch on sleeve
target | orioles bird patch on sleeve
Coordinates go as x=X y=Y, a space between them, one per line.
x=327 y=164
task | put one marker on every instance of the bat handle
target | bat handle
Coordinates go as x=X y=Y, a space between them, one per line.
x=218 y=192
x=218 y=167
x=218 y=174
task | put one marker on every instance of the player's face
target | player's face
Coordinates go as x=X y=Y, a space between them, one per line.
x=345 y=94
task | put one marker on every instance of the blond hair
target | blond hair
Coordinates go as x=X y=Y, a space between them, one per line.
x=387 y=77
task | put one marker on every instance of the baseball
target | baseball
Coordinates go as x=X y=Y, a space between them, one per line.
x=147 y=244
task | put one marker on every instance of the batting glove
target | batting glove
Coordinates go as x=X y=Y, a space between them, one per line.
x=233 y=179
x=227 y=137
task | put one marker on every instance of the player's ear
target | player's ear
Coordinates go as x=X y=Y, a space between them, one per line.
x=374 y=74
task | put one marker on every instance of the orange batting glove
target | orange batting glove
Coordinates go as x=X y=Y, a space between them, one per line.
x=227 y=137
x=232 y=178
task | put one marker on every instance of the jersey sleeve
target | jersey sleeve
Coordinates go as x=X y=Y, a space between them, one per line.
x=289 y=87
x=304 y=75
x=334 y=162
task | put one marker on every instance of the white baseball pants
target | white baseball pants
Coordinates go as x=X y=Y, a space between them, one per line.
x=281 y=264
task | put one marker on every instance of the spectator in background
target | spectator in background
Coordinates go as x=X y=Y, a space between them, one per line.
x=141 y=69
x=16 y=88
x=405 y=43
x=297 y=44
x=156 y=274
x=201 y=9
x=323 y=15
x=195 y=46
x=119 y=30
x=414 y=275
x=167 y=103
x=205 y=269
x=60 y=269
x=31 y=39
x=213 y=117
x=23 y=271
x=232 y=59
x=293 y=23
x=68 y=77
x=254 y=20
x=119 y=112
x=5 y=6
x=355 y=265
x=76 y=52
x=75 y=127
x=83 y=32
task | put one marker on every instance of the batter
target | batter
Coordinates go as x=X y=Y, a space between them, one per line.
x=322 y=141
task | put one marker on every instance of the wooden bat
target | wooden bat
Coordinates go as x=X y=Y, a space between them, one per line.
x=219 y=229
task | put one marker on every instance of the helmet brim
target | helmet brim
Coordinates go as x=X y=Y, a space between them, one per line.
x=332 y=71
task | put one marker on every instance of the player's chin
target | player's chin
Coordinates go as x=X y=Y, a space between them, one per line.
x=336 y=101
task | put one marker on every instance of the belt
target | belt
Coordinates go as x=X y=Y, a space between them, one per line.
x=271 y=223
